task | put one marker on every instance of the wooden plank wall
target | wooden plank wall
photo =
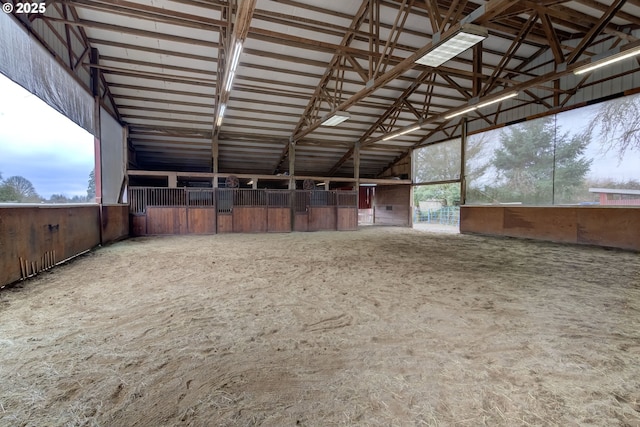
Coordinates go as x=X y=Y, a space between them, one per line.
x=166 y=220
x=617 y=227
x=347 y=219
x=301 y=221
x=138 y=224
x=115 y=222
x=250 y=219
x=201 y=220
x=322 y=218
x=278 y=220
x=225 y=223
x=33 y=239
x=170 y=211
x=392 y=205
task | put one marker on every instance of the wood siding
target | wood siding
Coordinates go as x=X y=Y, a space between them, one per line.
x=33 y=239
x=249 y=219
x=347 y=219
x=301 y=222
x=138 y=224
x=393 y=205
x=115 y=222
x=201 y=220
x=612 y=227
x=225 y=223
x=279 y=220
x=322 y=218
x=166 y=220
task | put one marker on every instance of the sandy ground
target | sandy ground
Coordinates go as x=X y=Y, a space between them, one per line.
x=379 y=327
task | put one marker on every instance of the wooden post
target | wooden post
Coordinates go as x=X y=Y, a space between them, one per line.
x=254 y=185
x=356 y=164
x=173 y=180
x=292 y=165
x=463 y=145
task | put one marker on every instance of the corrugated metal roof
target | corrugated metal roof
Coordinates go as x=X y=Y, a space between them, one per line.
x=164 y=64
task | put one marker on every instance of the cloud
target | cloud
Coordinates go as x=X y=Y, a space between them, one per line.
x=42 y=145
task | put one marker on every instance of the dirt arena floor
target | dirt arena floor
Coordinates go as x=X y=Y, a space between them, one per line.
x=379 y=327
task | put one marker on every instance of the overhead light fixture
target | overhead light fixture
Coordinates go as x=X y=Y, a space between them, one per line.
x=234 y=64
x=494 y=101
x=467 y=36
x=221 y=115
x=336 y=118
x=607 y=59
x=483 y=104
x=459 y=113
x=404 y=132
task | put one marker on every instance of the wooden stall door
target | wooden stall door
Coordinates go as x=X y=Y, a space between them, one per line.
x=202 y=220
x=347 y=219
x=322 y=218
x=393 y=205
x=249 y=219
x=166 y=220
x=278 y=220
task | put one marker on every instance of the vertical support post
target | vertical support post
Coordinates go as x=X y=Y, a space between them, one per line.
x=292 y=164
x=172 y=179
x=463 y=149
x=556 y=93
x=356 y=163
x=95 y=90
x=214 y=156
x=477 y=69
x=255 y=183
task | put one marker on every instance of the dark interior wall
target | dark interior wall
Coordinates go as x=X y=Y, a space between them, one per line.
x=617 y=227
x=392 y=205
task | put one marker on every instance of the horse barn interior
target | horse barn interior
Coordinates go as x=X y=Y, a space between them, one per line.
x=250 y=257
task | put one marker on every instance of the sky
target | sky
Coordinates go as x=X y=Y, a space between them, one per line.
x=42 y=145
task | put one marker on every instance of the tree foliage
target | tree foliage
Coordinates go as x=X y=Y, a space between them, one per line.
x=617 y=125
x=437 y=162
x=535 y=160
x=91 y=187
x=447 y=194
x=17 y=189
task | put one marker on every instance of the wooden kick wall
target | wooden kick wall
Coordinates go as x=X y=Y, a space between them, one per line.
x=392 y=205
x=36 y=238
x=617 y=227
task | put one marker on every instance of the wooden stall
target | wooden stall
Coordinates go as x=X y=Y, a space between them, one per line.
x=207 y=211
x=392 y=205
x=617 y=227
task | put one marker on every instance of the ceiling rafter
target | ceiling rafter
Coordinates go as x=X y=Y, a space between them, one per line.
x=595 y=31
x=357 y=21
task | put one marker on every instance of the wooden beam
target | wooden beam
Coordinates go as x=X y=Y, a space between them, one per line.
x=595 y=31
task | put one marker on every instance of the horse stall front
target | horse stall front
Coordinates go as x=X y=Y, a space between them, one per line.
x=165 y=211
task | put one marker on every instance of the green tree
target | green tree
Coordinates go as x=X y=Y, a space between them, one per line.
x=535 y=160
x=617 y=125
x=58 y=198
x=447 y=194
x=20 y=188
x=91 y=188
x=437 y=162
